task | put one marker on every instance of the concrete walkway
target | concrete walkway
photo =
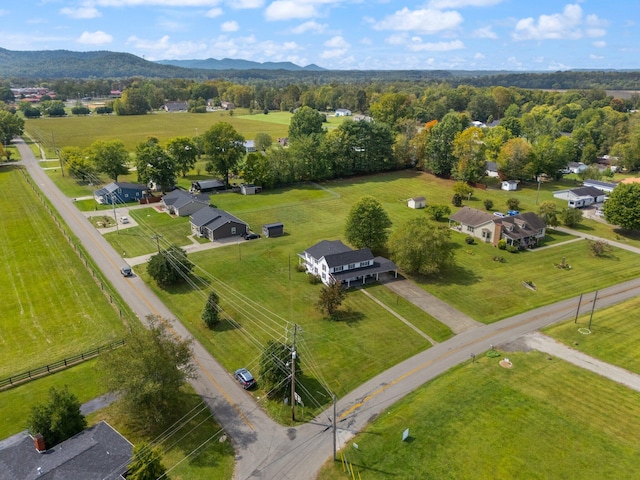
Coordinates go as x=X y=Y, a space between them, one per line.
x=457 y=321
x=613 y=243
x=543 y=343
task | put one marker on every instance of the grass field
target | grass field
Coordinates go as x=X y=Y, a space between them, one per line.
x=540 y=419
x=52 y=308
x=55 y=133
x=615 y=333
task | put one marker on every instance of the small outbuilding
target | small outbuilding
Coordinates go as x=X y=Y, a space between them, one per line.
x=417 y=202
x=509 y=185
x=250 y=189
x=207 y=185
x=273 y=229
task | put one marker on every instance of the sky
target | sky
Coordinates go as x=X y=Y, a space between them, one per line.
x=516 y=35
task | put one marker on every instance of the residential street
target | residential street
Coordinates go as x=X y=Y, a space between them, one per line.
x=264 y=449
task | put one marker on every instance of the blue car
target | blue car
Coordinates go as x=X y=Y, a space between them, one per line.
x=245 y=378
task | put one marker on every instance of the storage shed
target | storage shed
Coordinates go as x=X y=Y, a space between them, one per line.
x=417 y=202
x=250 y=189
x=509 y=185
x=273 y=229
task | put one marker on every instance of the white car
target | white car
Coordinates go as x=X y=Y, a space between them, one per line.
x=124 y=219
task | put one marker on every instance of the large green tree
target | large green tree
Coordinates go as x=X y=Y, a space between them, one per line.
x=109 y=157
x=421 y=246
x=11 y=125
x=514 y=159
x=224 y=147
x=169 y=266
x=330 y=298
x=154 y=164
x=440 y=158
x=306 y=121
x=146 y=464
x=623 y=206
x=211 y=310
x=148 y=372
x=184 y=153
x=469 y=149
x=77 y=164
x=58 y=418
x=367 y=224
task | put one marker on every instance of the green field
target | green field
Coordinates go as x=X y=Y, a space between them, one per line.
x=55 y=133
x=540 y=419
x=615 y=332
x=52 y=307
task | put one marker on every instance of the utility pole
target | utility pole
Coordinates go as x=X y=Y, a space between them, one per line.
x=335 y=429
x=113 y=203
x=595 y=297
x=575 y=320
x=157 y=239
x=293 y=374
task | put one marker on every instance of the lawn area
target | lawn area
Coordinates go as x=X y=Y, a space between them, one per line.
x=52 y=307
x=16 y=403
x=614 y=334
x=134 y=129
x=190 y=450
x=539 y=419
x=140 y=240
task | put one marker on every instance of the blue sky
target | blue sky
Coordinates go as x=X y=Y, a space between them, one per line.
x=540 y=35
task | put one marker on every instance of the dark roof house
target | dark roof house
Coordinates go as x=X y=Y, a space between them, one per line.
x=333 y=261
x=182 y=203
x=120 y=192
x=215 y=224
x=207 y=185
x=97 y=453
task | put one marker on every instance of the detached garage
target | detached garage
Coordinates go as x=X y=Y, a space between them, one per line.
x=273 y=229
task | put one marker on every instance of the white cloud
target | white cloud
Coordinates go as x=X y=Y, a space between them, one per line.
x=418 y=46
x=96 y=38
x=335 y=53
x=485 y=32
x=425 y=21
x=397 y=39
x=157 y=3
x=287 y=9
x=213 y=13
x=567 y=25
x=596 y=57
x=599 y=44
x=442 y=4
x=310 y=26
x=337 y=42
x=479 y=56
x=245 y=4
x=81 y=12
x=231 y=26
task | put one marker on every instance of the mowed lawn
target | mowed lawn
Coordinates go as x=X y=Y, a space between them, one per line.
x=134 y=129
x=540 y=419
x=614 y=338
x=52 y=308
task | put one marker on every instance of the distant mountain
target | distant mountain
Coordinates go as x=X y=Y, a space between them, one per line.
x=237 y=64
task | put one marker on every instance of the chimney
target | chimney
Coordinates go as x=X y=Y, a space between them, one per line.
x=497 y=234
x=39 y=441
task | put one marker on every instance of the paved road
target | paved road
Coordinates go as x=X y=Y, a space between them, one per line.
x=266 y=450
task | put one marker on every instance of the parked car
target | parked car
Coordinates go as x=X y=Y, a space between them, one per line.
x=513 y=212
x=499 y=214
x=245 y=378
x=126 y=271
x=251 y=236
x=124 y=219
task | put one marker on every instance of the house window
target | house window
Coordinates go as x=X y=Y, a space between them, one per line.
x=233 y=230
x=470 y=228
x=126 y=195
x=486 y=234
x=337 y=269
x=364 y=264
x=324 y=267
x=352 y=266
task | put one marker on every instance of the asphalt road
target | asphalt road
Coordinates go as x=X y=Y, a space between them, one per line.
x=264 y=449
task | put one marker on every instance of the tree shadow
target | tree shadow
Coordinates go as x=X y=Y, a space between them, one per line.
x=452 y=275
x=347 y=316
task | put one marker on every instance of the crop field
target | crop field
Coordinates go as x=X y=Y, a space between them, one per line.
x=614 y=337
x=52 y=308
x=543 y=418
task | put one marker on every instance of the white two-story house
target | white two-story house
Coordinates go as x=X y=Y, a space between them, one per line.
x=333 y=261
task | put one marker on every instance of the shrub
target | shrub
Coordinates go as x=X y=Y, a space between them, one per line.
x=457 y=200
x=502 y=244
x=301 y=268
x=513 y=203
x=469 y=240
x=438 y=212
x=488 y=204
x=512 y=249
x=314 y=279
x=599 y=248
x=500 y=259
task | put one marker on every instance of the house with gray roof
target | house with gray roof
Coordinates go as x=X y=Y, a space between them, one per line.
x=581 y=197
x=523 y=230
x=207 y=185
x=606 y=187
x=183 y=203
x=215 y=224
x=120 y=192
x=97 y=453
x=333 y=261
